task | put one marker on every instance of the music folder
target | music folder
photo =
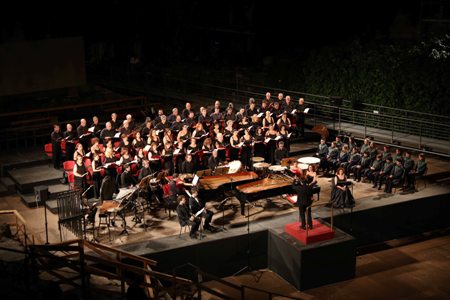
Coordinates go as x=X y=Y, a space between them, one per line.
x=306 y=110
x=195 y=180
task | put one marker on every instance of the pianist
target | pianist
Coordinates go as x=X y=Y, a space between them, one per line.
x=214 y=161
x=126 y=179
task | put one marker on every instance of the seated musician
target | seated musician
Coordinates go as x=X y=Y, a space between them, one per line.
x=360 y=168
x=375 y=167
x=354 y=159
x=280 y=153
x=196 y=205
x=420 y=169
x=342 y=158
x=126 y=180
x=341 y=196
x=188 y=166
x=333 y=154
x=185 y=216
x=174 y=190
x=395 y=177
x=56 y=137
x=214 y=161
x=380 y=177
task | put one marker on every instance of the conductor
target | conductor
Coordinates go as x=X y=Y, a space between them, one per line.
x=196 y=205
x=304 y=198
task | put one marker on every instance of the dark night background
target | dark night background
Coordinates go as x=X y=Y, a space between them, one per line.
x=300 y=45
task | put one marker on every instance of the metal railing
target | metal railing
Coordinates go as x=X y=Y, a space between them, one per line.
x=15 y=220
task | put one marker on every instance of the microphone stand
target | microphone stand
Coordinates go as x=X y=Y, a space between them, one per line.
x=247 y=267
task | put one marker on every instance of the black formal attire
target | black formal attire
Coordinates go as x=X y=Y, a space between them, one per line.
x=188 y=167
x=184 y=215
x=304 y=199
x=364 y=165
x=234 y=152
x=341 y=198
x=381 y=176
x=213 y=162
x=107 y=188
x=397 y=174
x=56 y=148
x=70 y=136
x=280 y=154
x=246 y=153
x=300 y=118
x=106 y=134
x=126 y=180
x=80 y=182
x=97 y=178
x=196 y=205
x=85 y=139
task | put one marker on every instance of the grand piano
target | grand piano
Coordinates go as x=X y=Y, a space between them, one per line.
x=275 y=184
x=213 y=187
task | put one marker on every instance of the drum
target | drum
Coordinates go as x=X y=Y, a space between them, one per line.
x=257 y=159
x=309 y=160
x=234 y=166
x=277 y=169
x=261 y=169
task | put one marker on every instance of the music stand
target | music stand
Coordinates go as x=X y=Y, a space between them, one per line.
x=200 y=214
x=222 y=203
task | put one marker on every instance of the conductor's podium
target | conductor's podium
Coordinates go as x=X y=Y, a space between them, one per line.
x=319 y=233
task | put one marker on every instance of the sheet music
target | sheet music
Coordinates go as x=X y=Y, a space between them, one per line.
x=200 y=212
x=195 y=180
x=117 y=135
x=260 y=115
x=147 y=148
x=306 y=110
x=91 y=129
x=278 y=138
x=267 y=140
x=293 y=111
x=177 y=151
x=289 y=135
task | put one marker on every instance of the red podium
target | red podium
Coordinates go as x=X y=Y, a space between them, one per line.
x=319 y=233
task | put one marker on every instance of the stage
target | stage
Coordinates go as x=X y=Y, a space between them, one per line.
x=376 y=217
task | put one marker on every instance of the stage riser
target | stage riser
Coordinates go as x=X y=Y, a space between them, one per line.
x=396 y=220
x=303 y=266
x=314 y=265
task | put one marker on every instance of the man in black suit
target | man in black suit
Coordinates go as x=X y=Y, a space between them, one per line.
x=56 y=146
x=196 y=205
x=214 y=160
x=304 y=198
x=186 y=218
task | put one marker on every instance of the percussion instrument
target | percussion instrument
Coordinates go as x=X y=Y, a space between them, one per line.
x=277 y=169
x=261 y=169
x=154 y=182
x=309 y=160
x=234 y=166
x=110 y=206
x=257 y=159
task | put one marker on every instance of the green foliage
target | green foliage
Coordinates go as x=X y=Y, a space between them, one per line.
x=411 y=76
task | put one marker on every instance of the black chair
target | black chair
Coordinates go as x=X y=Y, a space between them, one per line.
x=90 y=220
